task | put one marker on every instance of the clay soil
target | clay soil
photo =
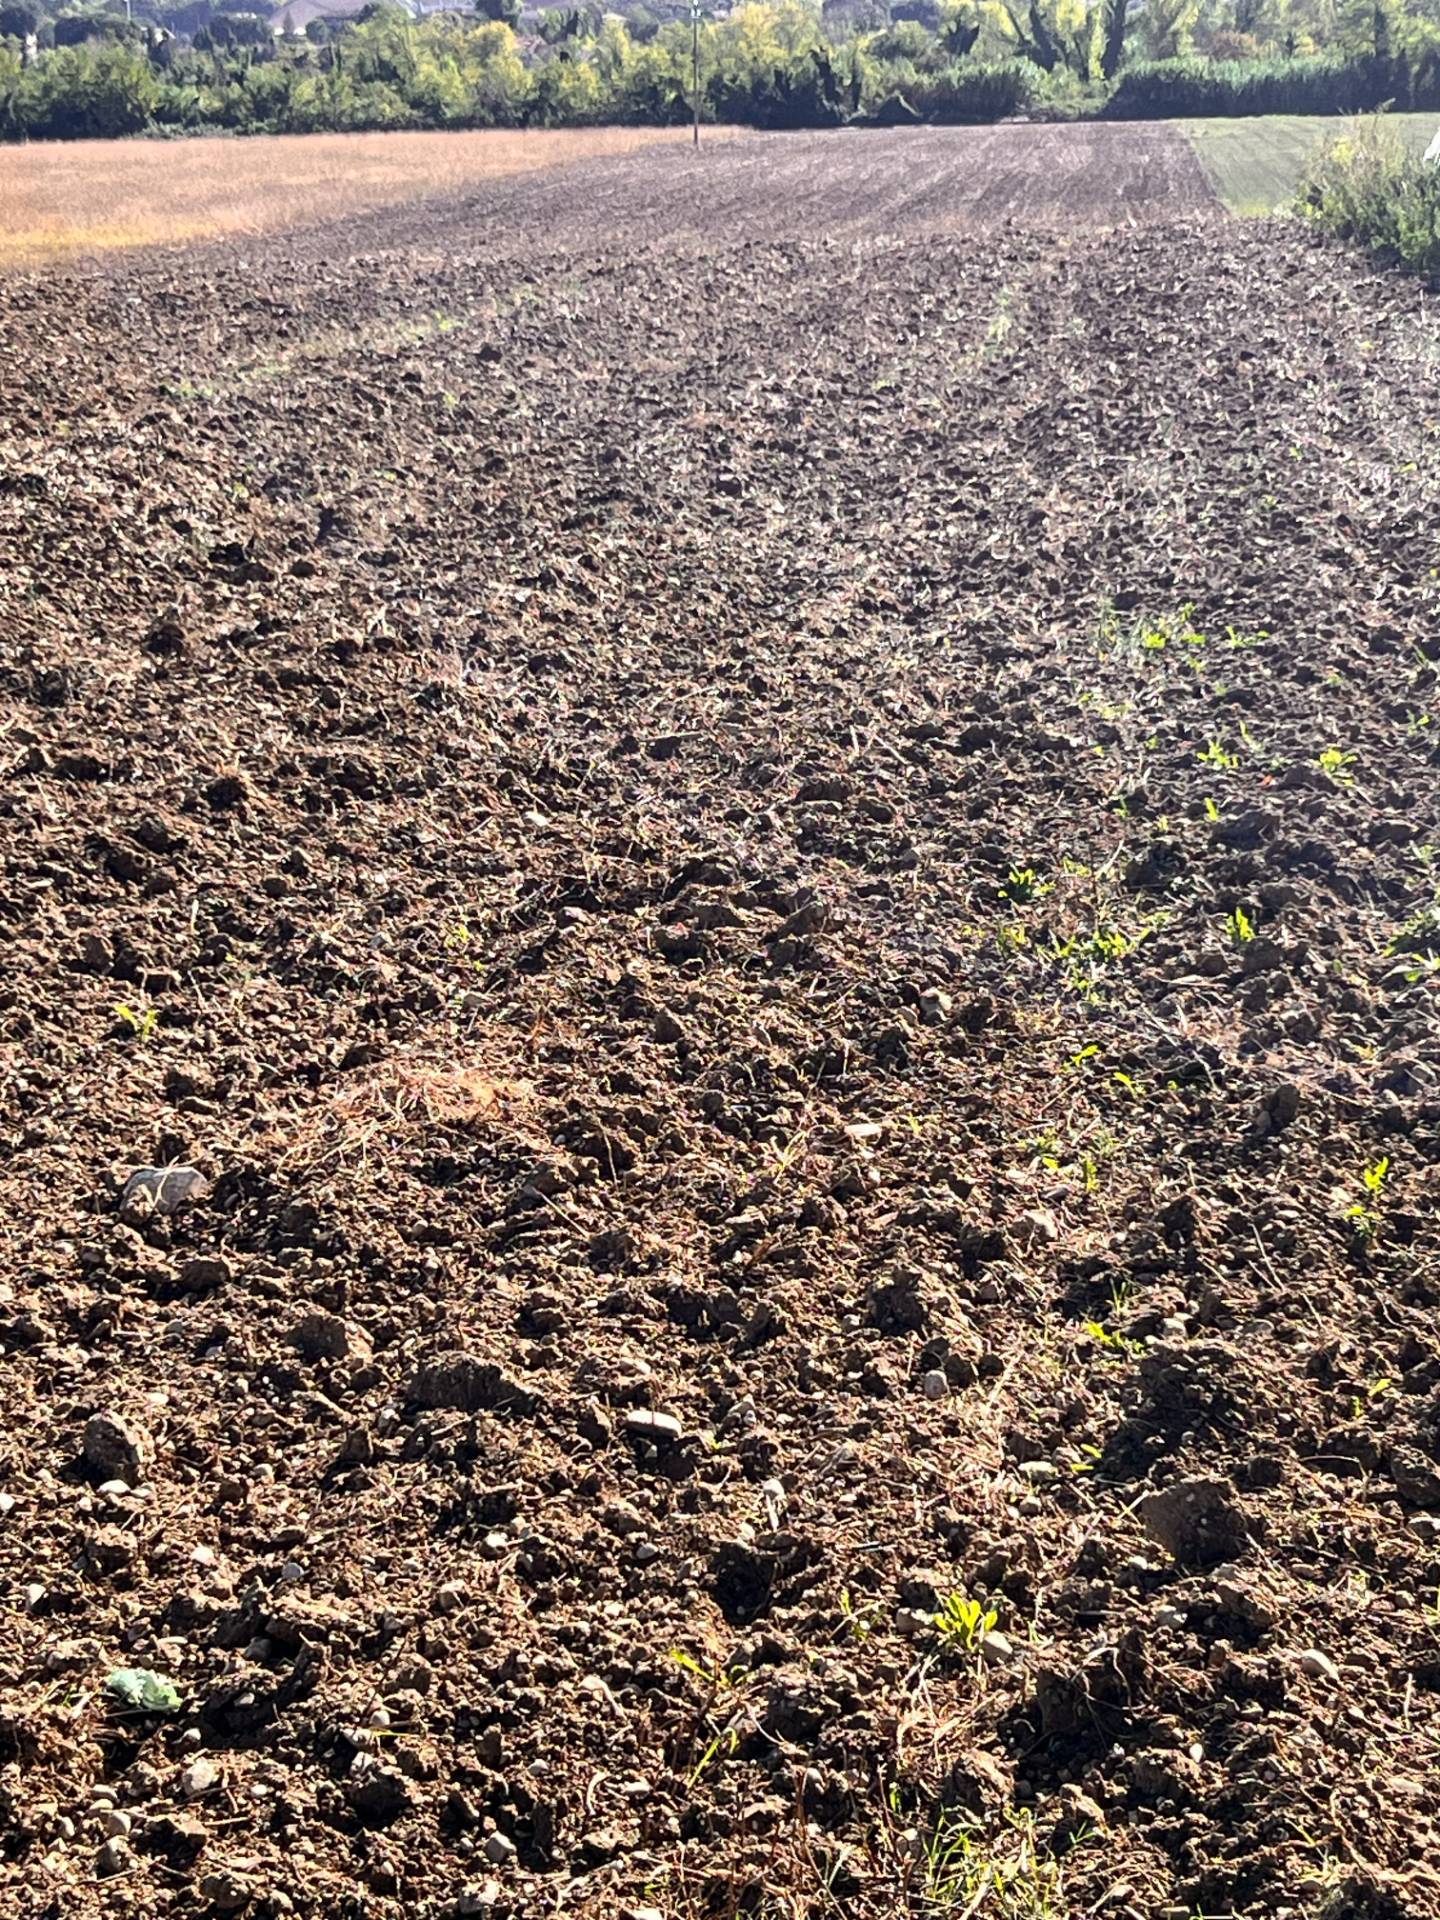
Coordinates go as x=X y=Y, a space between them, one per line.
x=766 y=830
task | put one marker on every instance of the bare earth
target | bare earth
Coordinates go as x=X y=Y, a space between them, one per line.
x=766 y=828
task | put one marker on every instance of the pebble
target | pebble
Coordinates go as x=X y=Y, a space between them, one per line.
x=1170 y=1617
x=478 y=1899
x=113 y=1857
x=1037 y=1471
x=198 y=1779
x=115 y=1822
x=659 y=1429
x=499 y=1848
x=935 y=1384
x=160 y=1190
x=1318 y=1665
x=996 y=1648
x=64 y=1828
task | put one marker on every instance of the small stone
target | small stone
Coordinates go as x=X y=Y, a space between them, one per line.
x=500 y=1849
x=1037 y=1472
x=653 y=1429
x=1318 y=1665
x=996 y=1648
x=112 y=1858
x=479 y=1899
x=157 y=1192
x=1171 y=1617
x=198 y=1779
x=935 y=1386
x=645 y=1552
x=115 y=1822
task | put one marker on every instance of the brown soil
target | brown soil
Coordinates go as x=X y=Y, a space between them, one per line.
x=778 y=869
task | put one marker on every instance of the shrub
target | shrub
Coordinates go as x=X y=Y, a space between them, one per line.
x=1177 y=89
x=1365 y=187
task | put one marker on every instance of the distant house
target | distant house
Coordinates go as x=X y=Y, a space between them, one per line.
x=295 y=15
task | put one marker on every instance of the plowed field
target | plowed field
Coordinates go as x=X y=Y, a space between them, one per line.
x=751 y=845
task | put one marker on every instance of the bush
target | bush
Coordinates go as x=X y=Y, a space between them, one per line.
x=1366 y=187
x=1191 y=88
x=975 y=92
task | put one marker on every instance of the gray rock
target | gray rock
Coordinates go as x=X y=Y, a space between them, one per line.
x=642 y=1424
x=199 y=1778
x=112 y=1858
x=500 y=1849
x=1318 y=1665
x=152 y=1192
x=934 y=1385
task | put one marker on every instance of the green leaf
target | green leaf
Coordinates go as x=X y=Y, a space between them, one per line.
x=142 y=1691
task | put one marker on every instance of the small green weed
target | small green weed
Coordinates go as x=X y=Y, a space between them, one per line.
x=140 y=1023
x=963 y=1623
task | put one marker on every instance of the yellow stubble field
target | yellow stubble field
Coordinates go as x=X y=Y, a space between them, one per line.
x=60 y=200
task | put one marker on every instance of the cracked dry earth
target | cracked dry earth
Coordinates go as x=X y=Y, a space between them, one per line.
x=765 y=831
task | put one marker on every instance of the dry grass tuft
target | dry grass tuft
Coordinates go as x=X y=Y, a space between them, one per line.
x=63 y=199
x=372 y=1112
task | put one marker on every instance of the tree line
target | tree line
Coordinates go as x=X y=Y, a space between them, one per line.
x=89 y=72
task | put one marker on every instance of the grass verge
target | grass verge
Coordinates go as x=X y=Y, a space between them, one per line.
x=1256 y=165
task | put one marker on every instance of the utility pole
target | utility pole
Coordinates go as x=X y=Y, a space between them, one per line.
x=695 y=64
